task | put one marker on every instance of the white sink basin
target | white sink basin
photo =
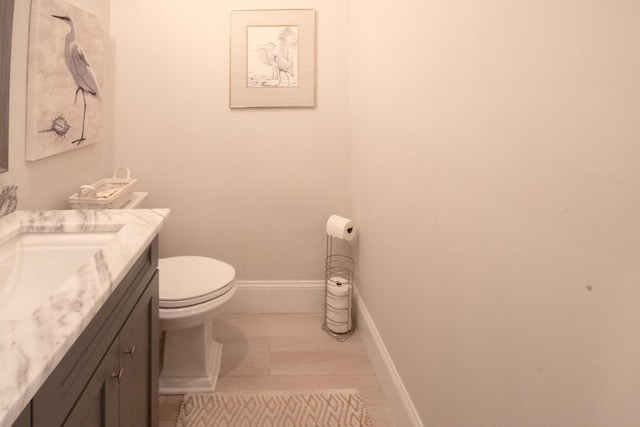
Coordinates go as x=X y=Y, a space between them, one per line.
x=34 y=265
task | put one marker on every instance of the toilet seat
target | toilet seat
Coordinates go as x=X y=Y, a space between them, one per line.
x=194 y=315
x=200 y=280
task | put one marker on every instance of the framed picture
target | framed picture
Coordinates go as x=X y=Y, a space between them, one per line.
x=65 y=71
x=272 y=58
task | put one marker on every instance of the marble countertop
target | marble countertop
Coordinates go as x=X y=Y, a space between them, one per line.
x=31 y=348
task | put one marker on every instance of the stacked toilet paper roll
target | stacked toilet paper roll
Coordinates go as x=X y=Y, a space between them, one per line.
x=338 y=316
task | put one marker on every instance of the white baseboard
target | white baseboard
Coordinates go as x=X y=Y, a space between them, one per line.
x=278 y=297
x=308 y=297
x=402 y=409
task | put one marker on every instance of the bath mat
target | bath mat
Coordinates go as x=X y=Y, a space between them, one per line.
x=318 y=408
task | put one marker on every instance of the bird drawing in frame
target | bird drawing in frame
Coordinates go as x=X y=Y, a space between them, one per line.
x=277 y=62
x=78 y=65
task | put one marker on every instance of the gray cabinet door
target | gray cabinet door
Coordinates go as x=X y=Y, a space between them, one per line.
x=138 y=360
x=98 y=406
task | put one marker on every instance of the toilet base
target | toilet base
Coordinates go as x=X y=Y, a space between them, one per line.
x=191 y=361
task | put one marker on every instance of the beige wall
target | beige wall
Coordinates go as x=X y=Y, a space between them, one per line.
x=496 y=180
x=47 y=183
x=251 y=187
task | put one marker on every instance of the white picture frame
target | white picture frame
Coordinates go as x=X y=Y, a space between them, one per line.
x=272 y=61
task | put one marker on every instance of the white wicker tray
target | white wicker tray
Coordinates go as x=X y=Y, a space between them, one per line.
x=108 y=193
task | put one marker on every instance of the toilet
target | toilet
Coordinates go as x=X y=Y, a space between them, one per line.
x=192 y=290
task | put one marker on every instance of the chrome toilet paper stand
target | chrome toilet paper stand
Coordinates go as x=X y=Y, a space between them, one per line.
x=339 y=270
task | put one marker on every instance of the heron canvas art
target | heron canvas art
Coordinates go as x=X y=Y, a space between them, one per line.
x=64 y=107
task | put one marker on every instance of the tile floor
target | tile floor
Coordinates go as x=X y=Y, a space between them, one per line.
x=288 y=352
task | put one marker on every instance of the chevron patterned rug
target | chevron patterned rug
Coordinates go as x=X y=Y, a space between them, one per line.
x=325 y=408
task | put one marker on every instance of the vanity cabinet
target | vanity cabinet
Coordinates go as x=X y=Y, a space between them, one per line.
x=109 y=377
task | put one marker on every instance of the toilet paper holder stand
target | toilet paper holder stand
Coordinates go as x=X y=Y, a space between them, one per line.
x=338 y=313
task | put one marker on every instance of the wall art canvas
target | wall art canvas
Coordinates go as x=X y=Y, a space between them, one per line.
x=65 y=75
x=272 y=58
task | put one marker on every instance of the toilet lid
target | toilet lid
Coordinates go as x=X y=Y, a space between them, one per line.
x=190 y=280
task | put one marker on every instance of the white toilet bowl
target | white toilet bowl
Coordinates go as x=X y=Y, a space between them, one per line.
x=192 y=291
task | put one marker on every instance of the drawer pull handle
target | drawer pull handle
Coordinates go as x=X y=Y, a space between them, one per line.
x=118 y=375
x=131 y=352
